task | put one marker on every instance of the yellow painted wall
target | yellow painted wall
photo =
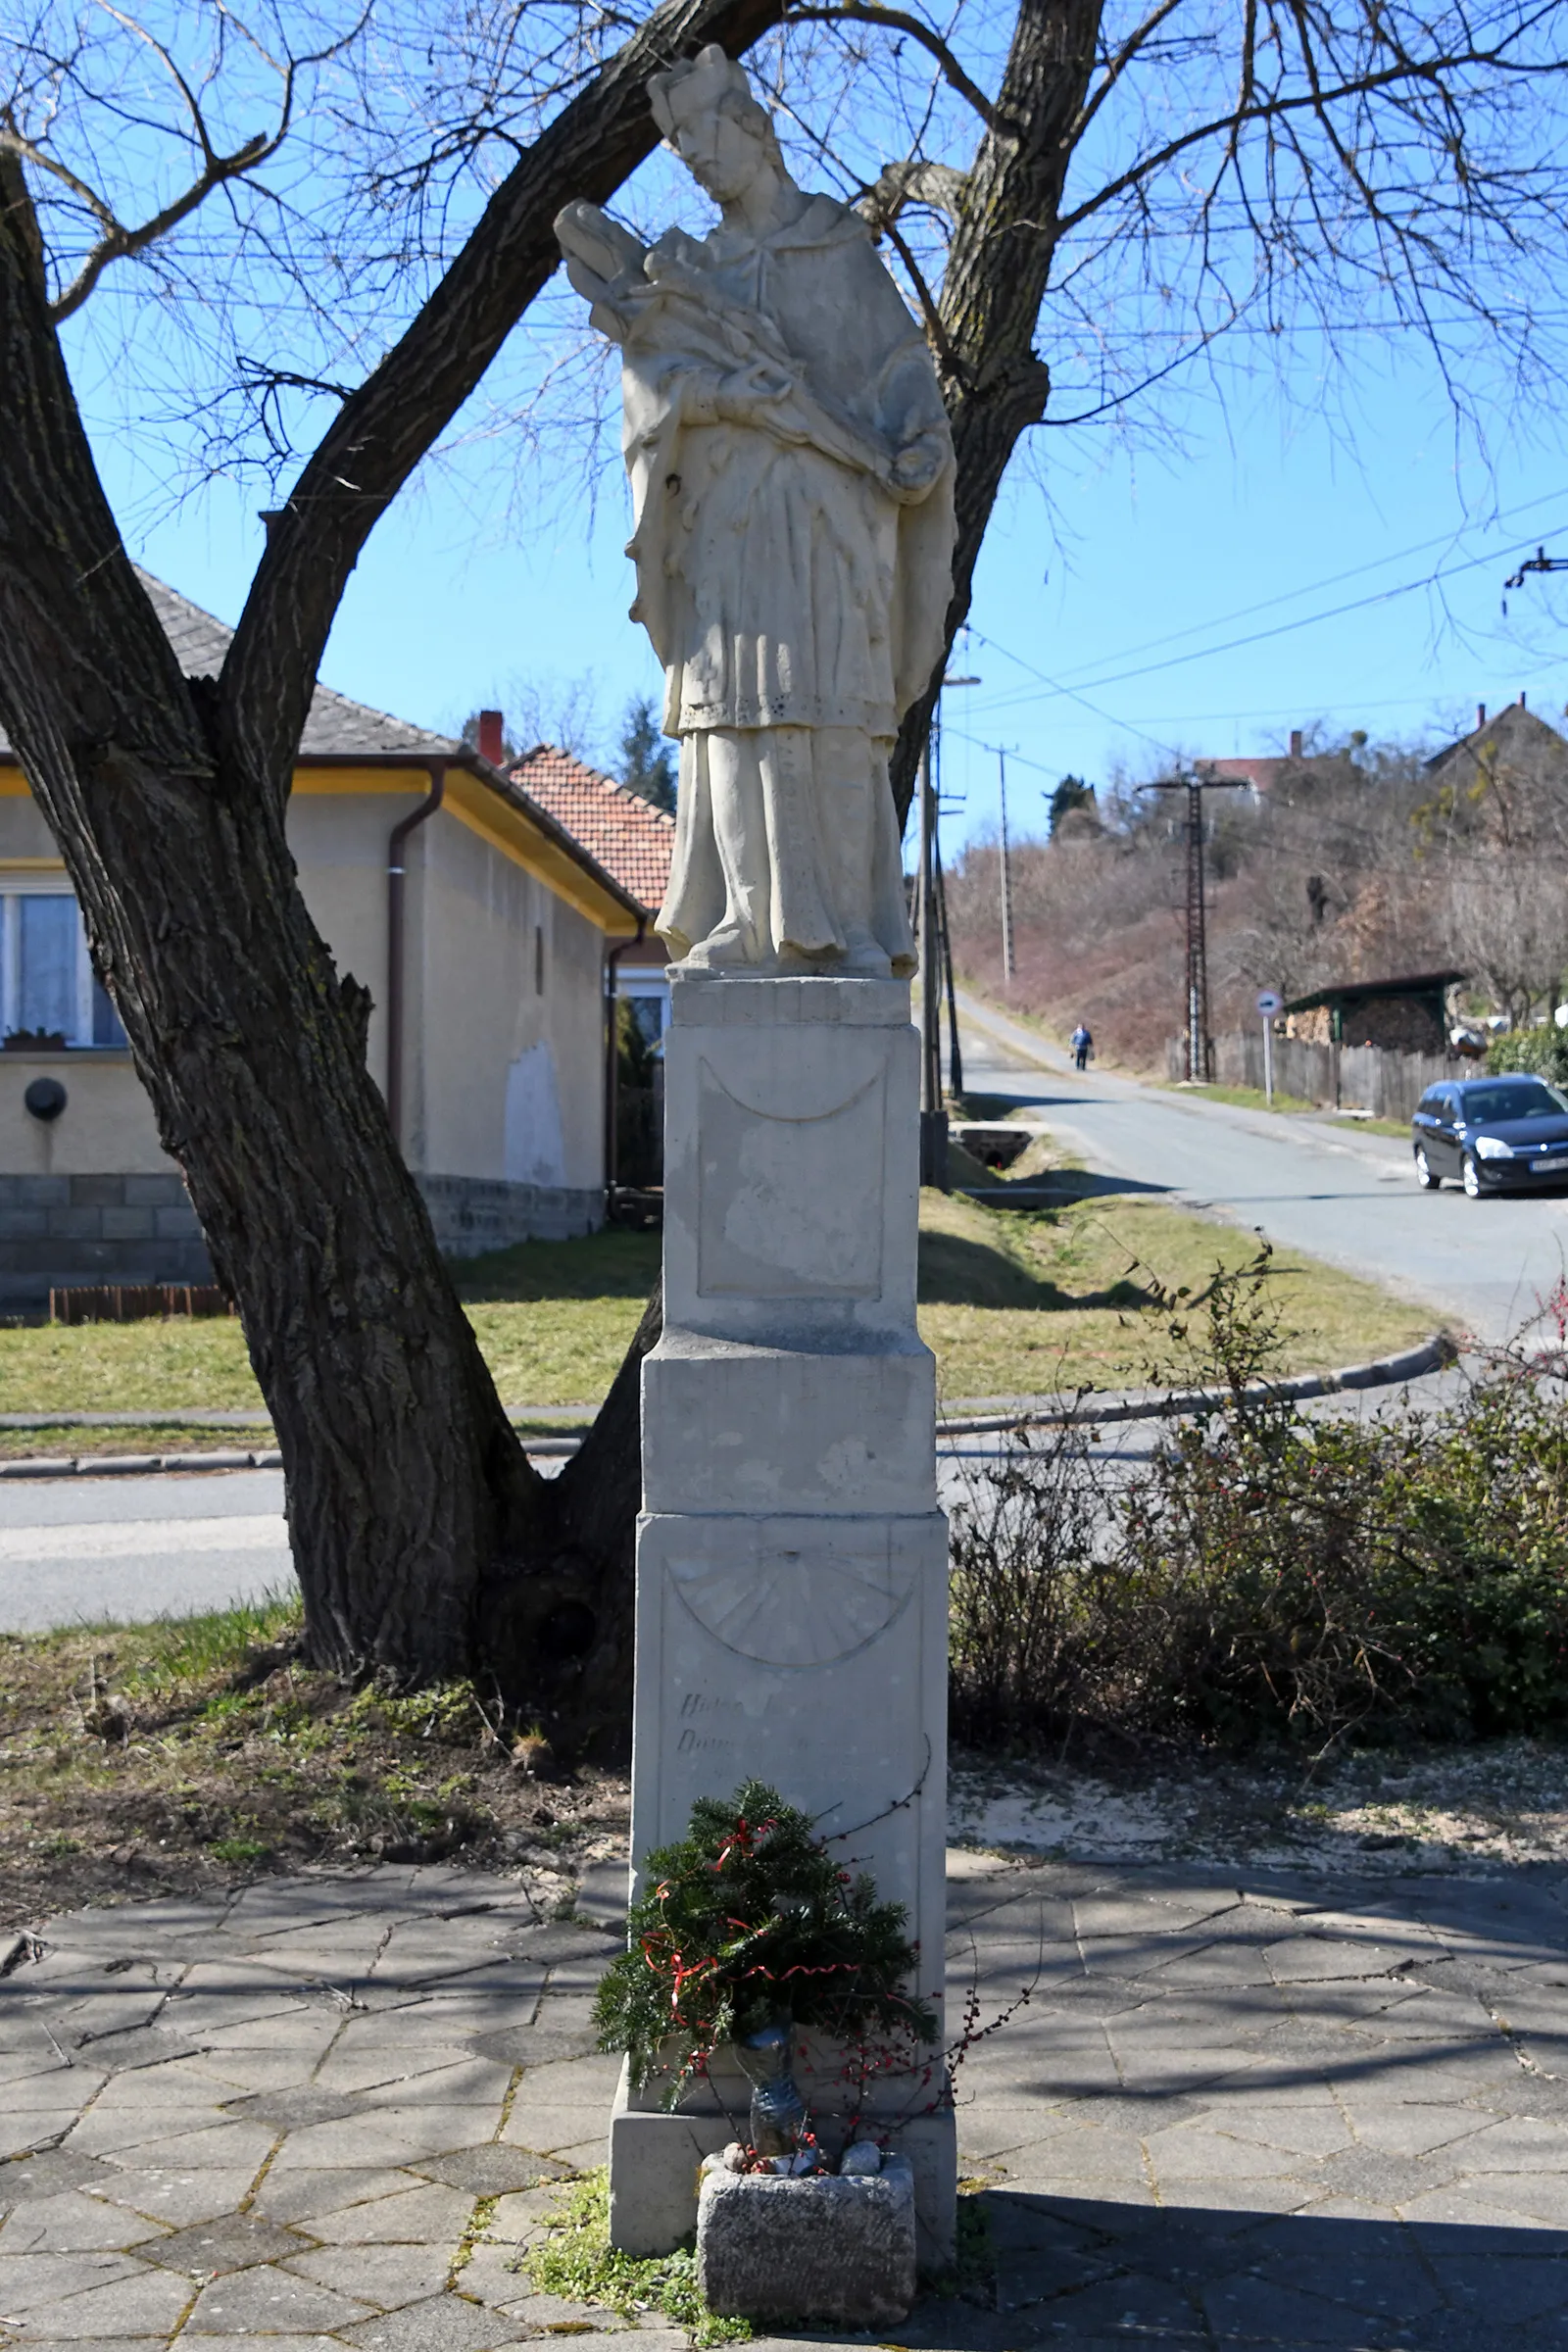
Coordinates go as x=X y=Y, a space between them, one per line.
x=483 y=1033
x=106 y=1128
x=478 y=1032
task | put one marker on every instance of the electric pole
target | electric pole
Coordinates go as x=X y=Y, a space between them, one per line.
x=1194 y=787
x=1006 y=877
x=933 y=1118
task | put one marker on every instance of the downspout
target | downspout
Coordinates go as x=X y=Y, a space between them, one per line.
x=612 y=1057
x=396 y=875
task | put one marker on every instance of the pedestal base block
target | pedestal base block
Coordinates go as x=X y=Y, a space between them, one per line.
x=812 y=2249
x=655 y=2162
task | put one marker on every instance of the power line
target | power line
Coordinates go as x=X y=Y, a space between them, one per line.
x=1288 y=595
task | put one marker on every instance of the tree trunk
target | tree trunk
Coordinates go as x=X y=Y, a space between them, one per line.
x=995 y=384
x=425 y=1543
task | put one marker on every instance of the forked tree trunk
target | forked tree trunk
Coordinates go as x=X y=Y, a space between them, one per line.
x=424 y=1541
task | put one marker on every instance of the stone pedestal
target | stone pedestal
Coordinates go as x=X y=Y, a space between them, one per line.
x=791 y=1558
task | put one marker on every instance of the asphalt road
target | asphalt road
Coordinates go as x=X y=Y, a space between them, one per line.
x=94 y=1551
x=89 y=1550
x=1308 y=1183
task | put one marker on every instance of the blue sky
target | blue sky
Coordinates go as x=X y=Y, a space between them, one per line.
x=1111 y=599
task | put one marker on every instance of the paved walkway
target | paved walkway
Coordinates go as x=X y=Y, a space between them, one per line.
x=325 y=2112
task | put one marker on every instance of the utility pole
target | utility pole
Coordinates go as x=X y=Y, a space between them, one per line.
x=933 y=1118
x=1194 y=787
x=1007 y=876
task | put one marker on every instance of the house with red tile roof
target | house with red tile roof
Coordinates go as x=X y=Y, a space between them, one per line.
x=482 y=923
x=625 y=836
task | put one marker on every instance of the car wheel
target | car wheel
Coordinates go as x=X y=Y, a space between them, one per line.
x=1473 y=1185
x=1426 y=1176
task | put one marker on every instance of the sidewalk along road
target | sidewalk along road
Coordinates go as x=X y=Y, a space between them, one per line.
x=80 y=1551
x=1330 y=1191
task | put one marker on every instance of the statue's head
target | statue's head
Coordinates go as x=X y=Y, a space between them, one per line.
x=706 y=109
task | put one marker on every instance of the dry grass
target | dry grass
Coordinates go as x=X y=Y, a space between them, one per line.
x=1017 y=1303
x=195 y=1751
x=1010 y=1302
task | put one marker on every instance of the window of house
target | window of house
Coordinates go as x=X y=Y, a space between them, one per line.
x=48 y=988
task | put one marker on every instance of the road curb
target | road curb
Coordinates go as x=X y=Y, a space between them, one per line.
x=1163 y=1405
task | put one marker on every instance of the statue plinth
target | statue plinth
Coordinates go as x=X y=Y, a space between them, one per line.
x=791 y=1557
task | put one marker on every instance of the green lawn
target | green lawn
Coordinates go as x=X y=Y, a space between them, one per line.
x=1011 y=1302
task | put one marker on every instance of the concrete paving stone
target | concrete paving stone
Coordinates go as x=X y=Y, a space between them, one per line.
x=445 y=2323
x=1187 y=2152
x=28 y=2280
x=1299 y=2130
x=386 y=2277
x=270 y=2301
x=1521 y=2143
x=179 y=2197
x=70 y=2222
x=492 y=2170
x=360 y=2066
x=1506 y=2289
x=380 y=2208
x=54 y=2085
x=1129 y=2305
x=47 y=2174
x=1244 y=2309
x=1320 y=1959
x=1543 y=2196
x=587 y=2079
x=115 y=2131
x=1087 y=2154
x=1388 y=2177
x=534 y=2046
x=304 y=2030
x=29 y=2134
x=457 y=2011
x=492 y=2277
x=186 y=2081
x=1136 y=1913
x=1435 y=2016
x=479 y=2083
x=1412 y=2128
x=584 y=2155
x=518 y=2215
x=290 y=2109
x=232 y=2147
x=545 y=2131
x=192 y=2342
x=1244 y=2201
x=146 y=2304
x=1025 y=2280
x=1456 y=2206
x=552 y=1943
x=991 y=2128
x=393 y=2136
x=233 y=2242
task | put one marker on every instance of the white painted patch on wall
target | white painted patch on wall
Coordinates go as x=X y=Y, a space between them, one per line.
x=535 y=1148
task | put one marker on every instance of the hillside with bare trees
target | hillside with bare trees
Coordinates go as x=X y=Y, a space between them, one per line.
x=1346 y=862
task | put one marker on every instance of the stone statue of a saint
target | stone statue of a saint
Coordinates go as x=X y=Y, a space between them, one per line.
x=792 y=483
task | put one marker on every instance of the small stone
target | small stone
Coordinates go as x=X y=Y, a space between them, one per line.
x=864 y=2158
x=809 y=2249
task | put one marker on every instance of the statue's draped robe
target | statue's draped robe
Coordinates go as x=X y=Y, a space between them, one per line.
x=784 y=588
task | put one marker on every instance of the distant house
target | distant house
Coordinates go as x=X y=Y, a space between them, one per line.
x=482 y=925
x=1277 y=771
x=1513 y=746
x=1406 y=1016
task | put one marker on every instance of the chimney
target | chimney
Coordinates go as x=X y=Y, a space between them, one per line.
x=1481 y=714
x=1521 y=700
x=1295 y=742
x=492 y=738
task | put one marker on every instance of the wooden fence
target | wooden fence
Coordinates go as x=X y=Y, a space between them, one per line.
x=1346 y=1077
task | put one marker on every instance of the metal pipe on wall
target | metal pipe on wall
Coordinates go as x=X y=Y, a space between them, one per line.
x=396 y=876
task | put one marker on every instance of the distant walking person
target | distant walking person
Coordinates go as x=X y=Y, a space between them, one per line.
x=1083 y=1045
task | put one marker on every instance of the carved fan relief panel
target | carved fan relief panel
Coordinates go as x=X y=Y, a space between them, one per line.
x=795 y=1600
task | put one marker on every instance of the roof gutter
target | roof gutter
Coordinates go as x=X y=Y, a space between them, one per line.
x=396 y=925
x=612 y=1065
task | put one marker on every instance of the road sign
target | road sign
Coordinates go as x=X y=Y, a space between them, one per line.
x=1269 y=1001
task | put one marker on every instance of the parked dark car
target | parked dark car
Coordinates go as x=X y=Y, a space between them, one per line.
x=1495 y=1134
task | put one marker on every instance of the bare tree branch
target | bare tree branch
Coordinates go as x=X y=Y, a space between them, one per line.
x=898 y=20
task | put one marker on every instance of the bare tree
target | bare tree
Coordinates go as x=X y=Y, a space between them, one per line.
x=1135 y=184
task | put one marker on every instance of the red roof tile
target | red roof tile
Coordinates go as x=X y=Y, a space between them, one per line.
x=626 y=834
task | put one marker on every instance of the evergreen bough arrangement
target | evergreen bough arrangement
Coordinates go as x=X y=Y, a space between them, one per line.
x=748 y=1919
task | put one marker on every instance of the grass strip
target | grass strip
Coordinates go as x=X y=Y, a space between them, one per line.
x=576 y=2261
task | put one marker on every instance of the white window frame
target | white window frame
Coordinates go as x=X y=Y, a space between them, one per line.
x=50 y=884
